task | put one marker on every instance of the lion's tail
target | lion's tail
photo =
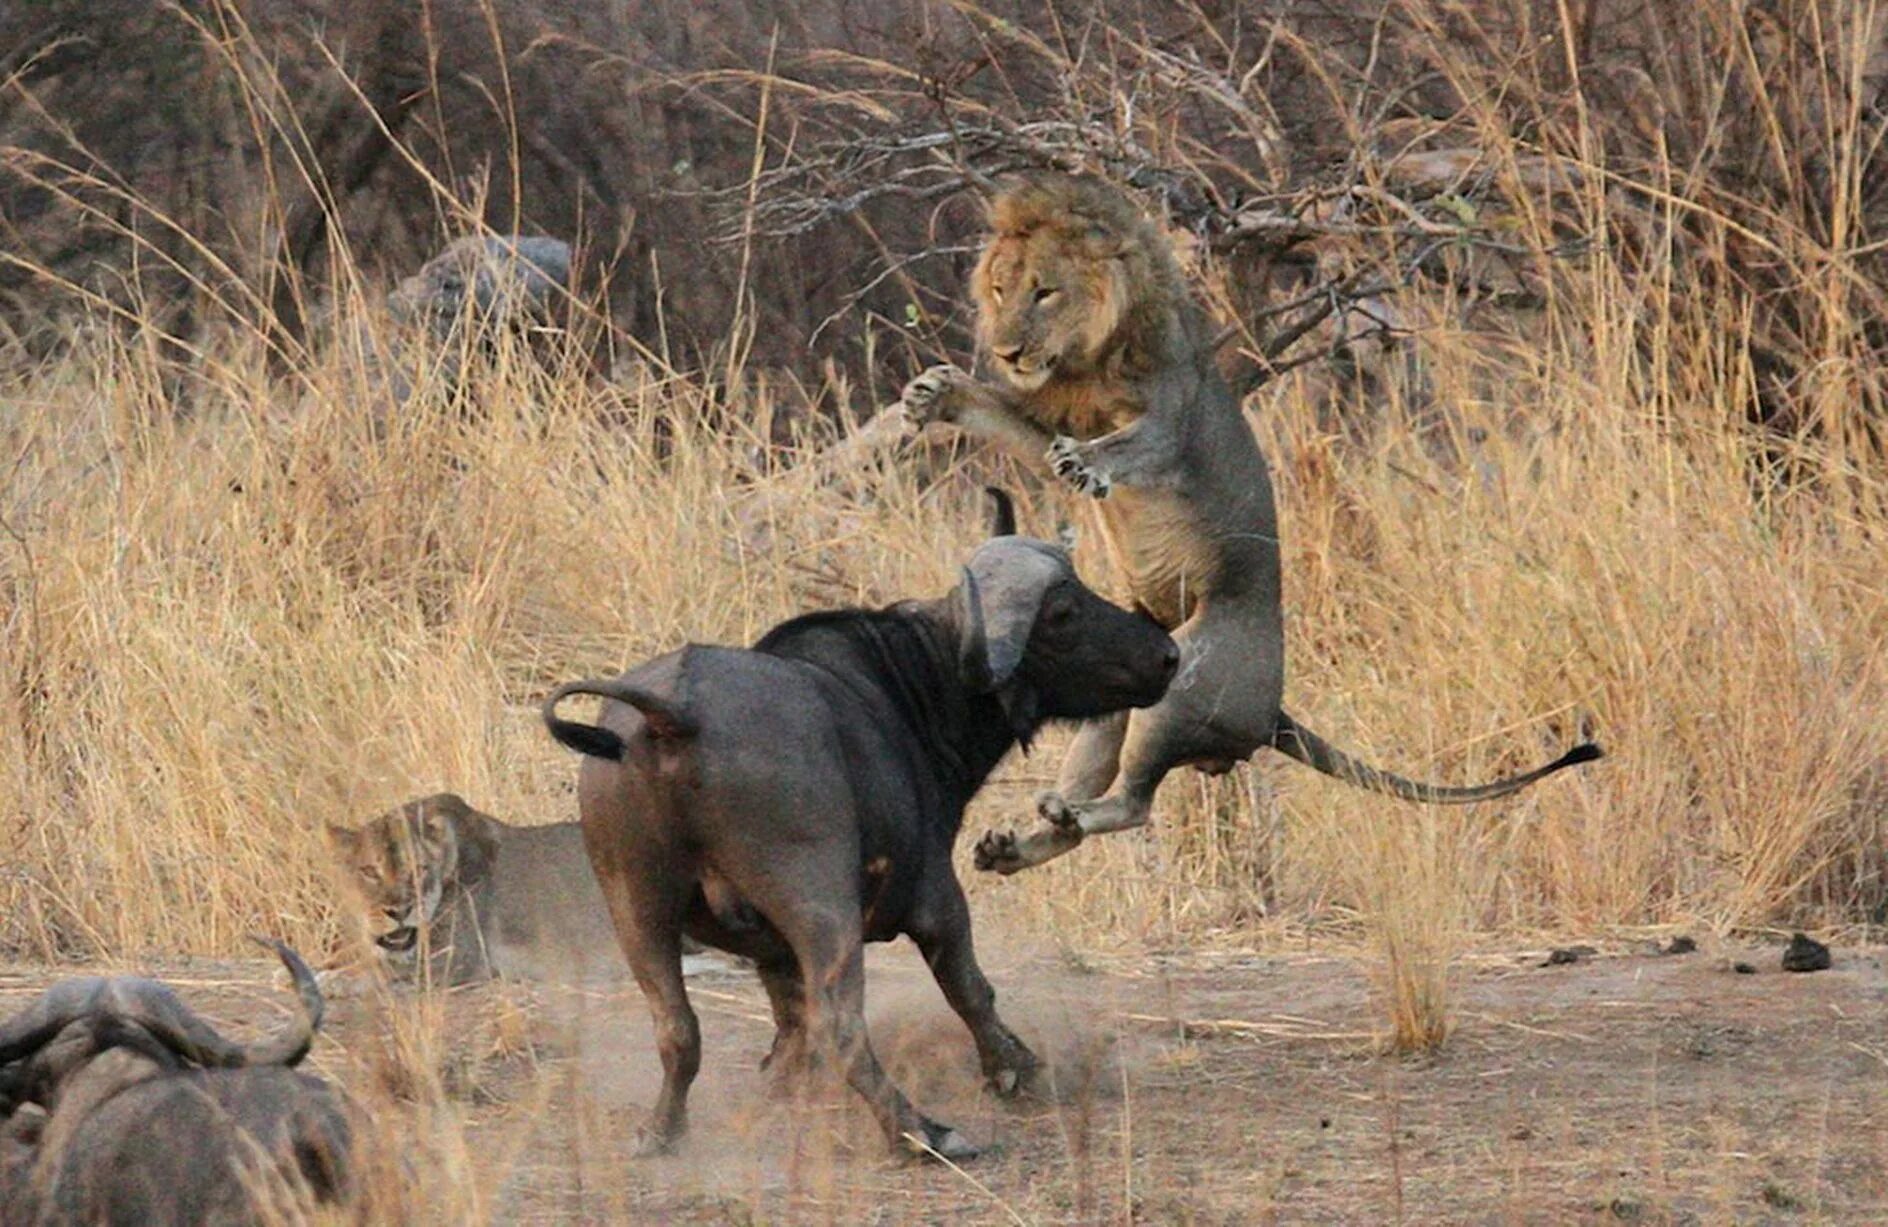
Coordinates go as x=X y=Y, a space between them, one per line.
x=664 y=718
x=1313 y=751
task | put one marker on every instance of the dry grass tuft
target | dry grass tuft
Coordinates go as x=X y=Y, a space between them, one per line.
x=239 y=602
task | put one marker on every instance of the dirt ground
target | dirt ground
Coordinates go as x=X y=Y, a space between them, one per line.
x=1626 y=1087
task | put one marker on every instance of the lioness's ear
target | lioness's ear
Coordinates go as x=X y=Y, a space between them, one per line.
x=341 y=839
x=433 y=823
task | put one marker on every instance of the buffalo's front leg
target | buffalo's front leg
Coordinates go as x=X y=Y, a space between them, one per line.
x=942 y=932
x=813 y=900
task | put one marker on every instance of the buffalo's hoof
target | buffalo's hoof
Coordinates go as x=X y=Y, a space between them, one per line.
x=998 y=852
x=927 y=398
x=653 y=1144
x=940 y=1142
x=1065 y=459
x=1015 y=1080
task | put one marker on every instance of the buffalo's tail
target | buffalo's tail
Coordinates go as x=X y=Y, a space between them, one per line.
x=664 y=718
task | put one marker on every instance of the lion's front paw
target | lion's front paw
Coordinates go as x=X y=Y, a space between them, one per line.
x=997 y=852
x=1065 y=458
x=931 y=396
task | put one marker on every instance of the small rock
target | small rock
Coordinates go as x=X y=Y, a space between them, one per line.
x=1743 y=969
x=1805 y=954
x=1681 y=945
x=1568 y=954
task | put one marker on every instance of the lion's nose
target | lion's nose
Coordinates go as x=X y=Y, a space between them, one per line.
x=1009 y=356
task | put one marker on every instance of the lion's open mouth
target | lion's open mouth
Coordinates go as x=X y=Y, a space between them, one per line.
x=1028 y=373
x=398 y=940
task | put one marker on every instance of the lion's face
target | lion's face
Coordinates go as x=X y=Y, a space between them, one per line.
x=403 y=863
x=1048 y=302
x=1072 y=275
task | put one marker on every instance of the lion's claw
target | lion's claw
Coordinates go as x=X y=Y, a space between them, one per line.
x=997 y=852
x=927 y=398
x=1066 y=460
x=1053 y=809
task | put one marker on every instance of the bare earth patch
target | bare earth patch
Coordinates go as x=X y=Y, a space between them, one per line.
x=1627 y=1087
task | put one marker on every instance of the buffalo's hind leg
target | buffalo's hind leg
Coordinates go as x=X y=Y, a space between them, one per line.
x=657 y=965
x=789 y=1060
x=941 y=929
x=646 y=909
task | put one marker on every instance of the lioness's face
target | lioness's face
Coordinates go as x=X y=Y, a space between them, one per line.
x=401 y=863
x=1048 y=301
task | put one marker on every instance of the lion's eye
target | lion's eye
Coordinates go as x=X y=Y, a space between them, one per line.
x=1045 y=292
x=996 y=294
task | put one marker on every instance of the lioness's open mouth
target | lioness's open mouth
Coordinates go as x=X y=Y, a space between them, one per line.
x=398 y=940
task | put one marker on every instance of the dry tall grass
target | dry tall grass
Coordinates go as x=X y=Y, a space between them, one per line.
x=239 y=604
x=239 y=608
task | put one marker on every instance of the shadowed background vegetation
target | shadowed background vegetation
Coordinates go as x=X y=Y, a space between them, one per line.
x=1562 y=325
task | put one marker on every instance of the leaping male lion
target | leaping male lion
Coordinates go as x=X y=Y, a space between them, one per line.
x=1107 y=368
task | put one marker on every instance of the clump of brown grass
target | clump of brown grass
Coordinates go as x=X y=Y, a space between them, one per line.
x=1409 y=879
x=239 y=603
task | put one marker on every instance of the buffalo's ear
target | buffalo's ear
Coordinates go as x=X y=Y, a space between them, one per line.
x=996 y=622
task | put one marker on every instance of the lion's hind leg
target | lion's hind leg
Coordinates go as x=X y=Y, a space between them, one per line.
x=1094 y=758
x=1220 y=709
x=1149 y=752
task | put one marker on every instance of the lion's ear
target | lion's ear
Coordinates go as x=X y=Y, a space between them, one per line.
x=341 y=839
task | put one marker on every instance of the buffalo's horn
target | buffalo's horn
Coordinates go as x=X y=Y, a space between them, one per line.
x=1002 y=512
x=155 y=1008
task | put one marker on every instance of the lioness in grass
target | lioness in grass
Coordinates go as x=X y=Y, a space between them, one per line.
x=477 y=898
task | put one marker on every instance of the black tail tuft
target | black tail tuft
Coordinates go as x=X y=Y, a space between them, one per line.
x=586 y=738
x=1585 y=752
